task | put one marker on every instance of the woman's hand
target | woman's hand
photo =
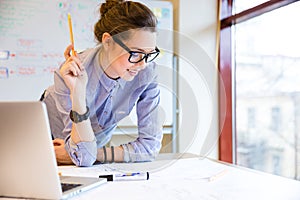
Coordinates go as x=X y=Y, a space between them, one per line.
x=74 y=74
x=62 y=156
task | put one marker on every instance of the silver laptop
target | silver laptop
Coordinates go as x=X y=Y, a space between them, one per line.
x=27 y=160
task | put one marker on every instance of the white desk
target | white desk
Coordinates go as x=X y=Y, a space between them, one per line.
x=183 y=179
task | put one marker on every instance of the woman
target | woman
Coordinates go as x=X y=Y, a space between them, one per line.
x=95 y=89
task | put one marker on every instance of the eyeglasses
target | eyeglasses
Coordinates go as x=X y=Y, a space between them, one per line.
x=138 y=56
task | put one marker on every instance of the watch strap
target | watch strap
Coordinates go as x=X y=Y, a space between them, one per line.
x=76 y=117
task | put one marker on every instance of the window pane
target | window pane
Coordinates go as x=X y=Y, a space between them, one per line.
x=241 y=5
x=267 y=85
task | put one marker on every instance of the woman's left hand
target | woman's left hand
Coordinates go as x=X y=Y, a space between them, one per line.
x=62 y=156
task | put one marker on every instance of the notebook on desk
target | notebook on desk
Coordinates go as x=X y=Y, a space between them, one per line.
x=28 y=166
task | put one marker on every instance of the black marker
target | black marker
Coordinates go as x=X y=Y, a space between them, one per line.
x=136 y=176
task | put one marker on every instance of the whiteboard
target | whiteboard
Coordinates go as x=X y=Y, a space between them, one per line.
x=34 y=34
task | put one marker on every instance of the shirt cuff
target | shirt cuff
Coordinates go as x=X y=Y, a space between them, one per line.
x=129 y=154
x=82 y=154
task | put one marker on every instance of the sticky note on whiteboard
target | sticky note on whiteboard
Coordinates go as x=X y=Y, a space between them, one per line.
x=4 y=54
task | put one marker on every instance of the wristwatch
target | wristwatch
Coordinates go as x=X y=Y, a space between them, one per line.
x=76 y=118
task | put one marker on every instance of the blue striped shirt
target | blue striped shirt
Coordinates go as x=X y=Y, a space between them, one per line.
x=109 y=101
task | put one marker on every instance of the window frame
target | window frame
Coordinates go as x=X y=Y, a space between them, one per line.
x=227 y=140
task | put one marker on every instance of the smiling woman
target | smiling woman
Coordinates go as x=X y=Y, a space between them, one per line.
x=115 y=55
x=95 y=89
x=138 y=56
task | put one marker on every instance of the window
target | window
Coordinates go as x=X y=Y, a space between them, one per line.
x=264 y=85
x=251 y=118
x=275 y=119
x=241 y=5
x=277 y=164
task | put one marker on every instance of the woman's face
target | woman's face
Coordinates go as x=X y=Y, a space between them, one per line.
x=140 y=40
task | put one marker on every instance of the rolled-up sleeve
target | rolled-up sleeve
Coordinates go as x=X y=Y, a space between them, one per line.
x=147 y=146
x=83 y=154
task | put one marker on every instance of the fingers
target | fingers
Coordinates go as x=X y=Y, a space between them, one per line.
x=72 y=66
x=67 y=52
x=76 y=60
x=58 y=142
x=72 y=58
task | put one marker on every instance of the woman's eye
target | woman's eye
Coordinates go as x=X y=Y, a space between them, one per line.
x=135 y=55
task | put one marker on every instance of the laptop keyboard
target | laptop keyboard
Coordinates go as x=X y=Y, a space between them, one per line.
x=69 y=186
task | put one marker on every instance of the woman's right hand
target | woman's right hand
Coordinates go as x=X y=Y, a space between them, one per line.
x=73 y=73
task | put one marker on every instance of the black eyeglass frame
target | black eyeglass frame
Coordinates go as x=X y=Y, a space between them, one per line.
x=146 y=55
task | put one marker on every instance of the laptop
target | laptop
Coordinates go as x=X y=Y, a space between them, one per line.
x=28 y=166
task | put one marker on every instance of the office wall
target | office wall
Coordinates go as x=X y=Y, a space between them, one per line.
x=197 y=76
x=195 y=23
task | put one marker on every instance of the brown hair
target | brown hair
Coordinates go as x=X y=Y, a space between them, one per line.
x=118 y=16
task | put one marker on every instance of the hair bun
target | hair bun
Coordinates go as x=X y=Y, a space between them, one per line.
x=105 y=7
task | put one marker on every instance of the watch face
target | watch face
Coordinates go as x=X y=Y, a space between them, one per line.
x=73 y=116
x=76 y=118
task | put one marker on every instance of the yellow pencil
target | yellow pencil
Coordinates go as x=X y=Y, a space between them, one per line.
x=218 y=175
x=71 y=33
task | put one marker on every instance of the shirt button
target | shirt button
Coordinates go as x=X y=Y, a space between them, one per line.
x=105 y=112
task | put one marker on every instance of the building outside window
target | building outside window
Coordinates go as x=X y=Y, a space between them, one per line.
x=266 y=89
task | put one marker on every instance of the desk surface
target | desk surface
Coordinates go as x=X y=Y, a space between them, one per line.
x=187 y=177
